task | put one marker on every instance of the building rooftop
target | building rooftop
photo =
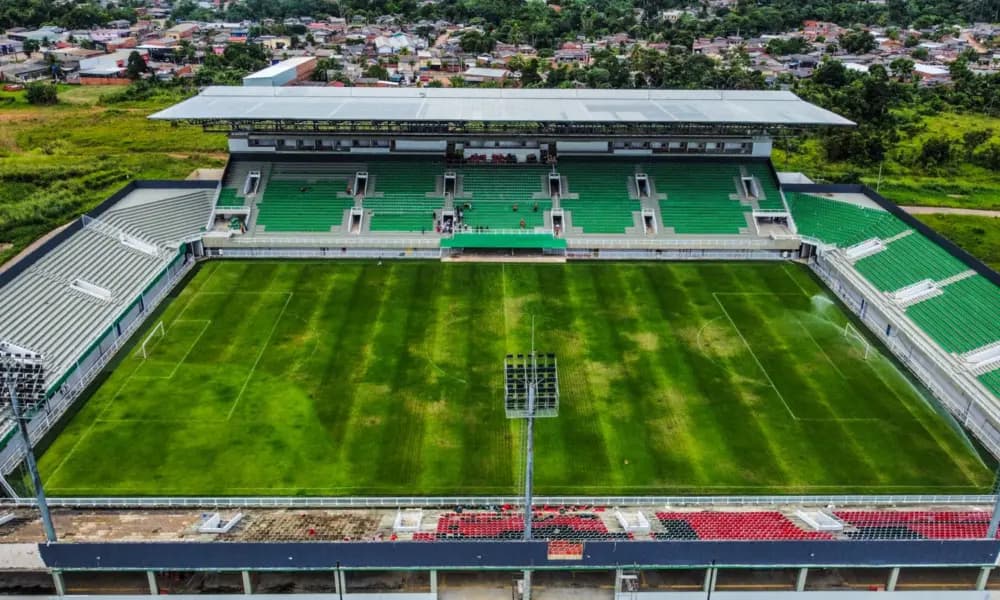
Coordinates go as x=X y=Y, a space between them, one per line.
x=222 y=103
x=281 y=67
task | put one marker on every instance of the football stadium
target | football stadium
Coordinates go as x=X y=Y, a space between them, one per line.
x=583 y=336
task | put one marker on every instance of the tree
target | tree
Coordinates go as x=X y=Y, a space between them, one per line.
x=830 y=73
x=41 y=93
x=475 y=42
x=920 y=53
x=974 y=139
x=780 y=47
x=902 y=68
x=136 y=66
x=936 y=151
x=31 y=46
x=858 y=42
x=377 y=71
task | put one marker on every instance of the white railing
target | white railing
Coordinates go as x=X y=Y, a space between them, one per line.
x=328 y=241
x=672 y=243
x=469 y=501
x=13 y=452
x=537 y=231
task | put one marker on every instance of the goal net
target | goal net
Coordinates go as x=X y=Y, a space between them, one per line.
x=857 y=339
x=157 y=333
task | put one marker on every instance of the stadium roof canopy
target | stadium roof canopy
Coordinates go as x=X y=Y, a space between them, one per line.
x=494 y=106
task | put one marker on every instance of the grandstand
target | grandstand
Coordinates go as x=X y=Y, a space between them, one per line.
x=359 y=396
x=491 y=198
x=700 y=198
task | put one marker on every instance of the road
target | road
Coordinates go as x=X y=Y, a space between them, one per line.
x=947 y=210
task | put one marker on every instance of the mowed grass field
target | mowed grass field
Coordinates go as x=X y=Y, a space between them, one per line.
x=324 y=378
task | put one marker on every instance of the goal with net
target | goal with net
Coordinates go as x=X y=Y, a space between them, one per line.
x=855 y=336
x=157 y=333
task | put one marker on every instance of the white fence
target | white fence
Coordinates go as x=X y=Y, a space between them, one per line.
x=327 y=241
x=718 y=254
x=334 y=253
x=484 y=501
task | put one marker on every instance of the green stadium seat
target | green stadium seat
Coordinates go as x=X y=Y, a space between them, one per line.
x=992 y=381
x=964 y=317
x=603 y=204
x=906 y=261
x=772 y=196
x=302 y=206
x=840 y=223
x=496 y=190
x=397 y=194
x=229 y=197
x=698 y=196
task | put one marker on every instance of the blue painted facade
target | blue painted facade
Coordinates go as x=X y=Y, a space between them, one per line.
x=231 y=556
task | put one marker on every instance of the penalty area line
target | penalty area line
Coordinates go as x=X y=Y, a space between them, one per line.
x=207 y=324
x=770 y=381
x=754 y=355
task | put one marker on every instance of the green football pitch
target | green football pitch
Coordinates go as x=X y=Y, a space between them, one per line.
x=358 y=378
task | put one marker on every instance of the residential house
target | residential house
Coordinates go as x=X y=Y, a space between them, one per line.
x=182 y=31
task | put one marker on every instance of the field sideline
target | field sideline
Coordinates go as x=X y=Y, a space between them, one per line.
x=354 y=378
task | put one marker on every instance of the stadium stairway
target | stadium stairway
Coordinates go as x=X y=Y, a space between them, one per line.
x=772 y=199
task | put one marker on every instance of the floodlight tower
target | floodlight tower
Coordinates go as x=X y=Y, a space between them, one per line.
x=531 y=389
x=15 y=369
x=29 y=459
x=529 y=447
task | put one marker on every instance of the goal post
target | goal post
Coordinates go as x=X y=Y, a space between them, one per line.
x=851 y=333
x=157 y=332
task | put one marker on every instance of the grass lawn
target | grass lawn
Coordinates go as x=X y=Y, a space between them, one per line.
x=322 y=378
x=57 y=162
x=979 y=236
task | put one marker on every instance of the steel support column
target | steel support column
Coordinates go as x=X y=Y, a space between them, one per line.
x=57 y=580
x=984 y=577
x=890 y=585
x=710 y=574
x=800 y=581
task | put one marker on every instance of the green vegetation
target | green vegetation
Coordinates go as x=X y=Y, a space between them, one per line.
x=959 y=183
x=57 y=162
x=318 y=378
x=980 y=236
